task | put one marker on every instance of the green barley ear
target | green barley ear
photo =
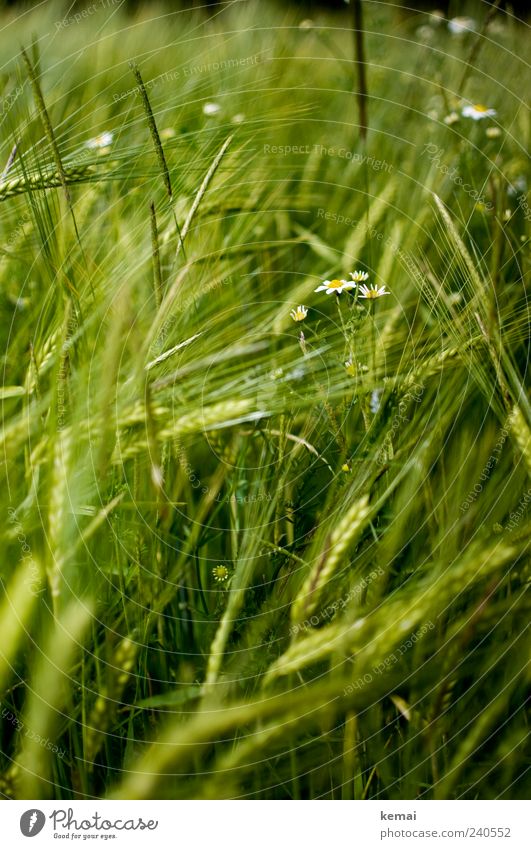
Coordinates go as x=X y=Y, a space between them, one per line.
x=15 y=614
x=52 y=180
x=477 y=44
x=104 y=709
x=522 y=435
x=157 y=144
x=47 y=124
x=343 y=536
x=58 y=516
x=157 y=274
x=49 y=696
x=204 y=186
x=360 y=62
x=153 y=129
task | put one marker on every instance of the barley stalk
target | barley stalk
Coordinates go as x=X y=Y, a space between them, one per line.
x=520 y=431
x=343 y=536
x=57 y=514
x=52 y=180
x=104 y=708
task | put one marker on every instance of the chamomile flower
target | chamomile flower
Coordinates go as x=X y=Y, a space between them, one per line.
x=354 y=369
x=477 y=111
x=220 y=574
x=435 y=18
x=335 y=286
x=373 y=292
x=359 y=276
x=493 y=132
x=99 y=142
x=211 y=108
x=452 y=118
x=299 y=314
x=425 y=33
x=461 y=25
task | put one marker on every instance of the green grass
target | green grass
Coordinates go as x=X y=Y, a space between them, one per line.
x=162 y=416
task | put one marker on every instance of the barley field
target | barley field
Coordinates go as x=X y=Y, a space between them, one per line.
x=265 y=428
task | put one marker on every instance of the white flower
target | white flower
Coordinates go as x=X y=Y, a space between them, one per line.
x=452 y=118
x=519 y=186
x=299 y=314
x=211 y=108
x=354 y=369
x=220 y=573
x=375 y=400
x=167 y=133
x=435 y=18
x=104 y=140
x=337 y=286
x=497 y=27
x=239 y=118
x=372 y=292
x=461 y=25
x=359 y=276
x=493 y=132
x=425 y=33
x=477 y=112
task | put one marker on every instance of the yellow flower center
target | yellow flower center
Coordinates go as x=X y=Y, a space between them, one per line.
x=336 y=284
x=480 y=108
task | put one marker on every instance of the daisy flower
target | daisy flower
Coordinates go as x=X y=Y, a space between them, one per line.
x=435 y=18
x=354 y=369
x=493 y=132
x=211 y=108
x=103 y=140
x=425 y=33
x=462 y=25
x=220 y=573
x=452 y=118
x=299 y=314
x=359 y=276
x=372 y=292
x=337 y=286
x=477 y=112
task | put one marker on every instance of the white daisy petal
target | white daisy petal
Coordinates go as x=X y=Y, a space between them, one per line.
x=211 y=108
x=103 y=140
x=477 y=111
x=462 y=25
x=372 y=292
